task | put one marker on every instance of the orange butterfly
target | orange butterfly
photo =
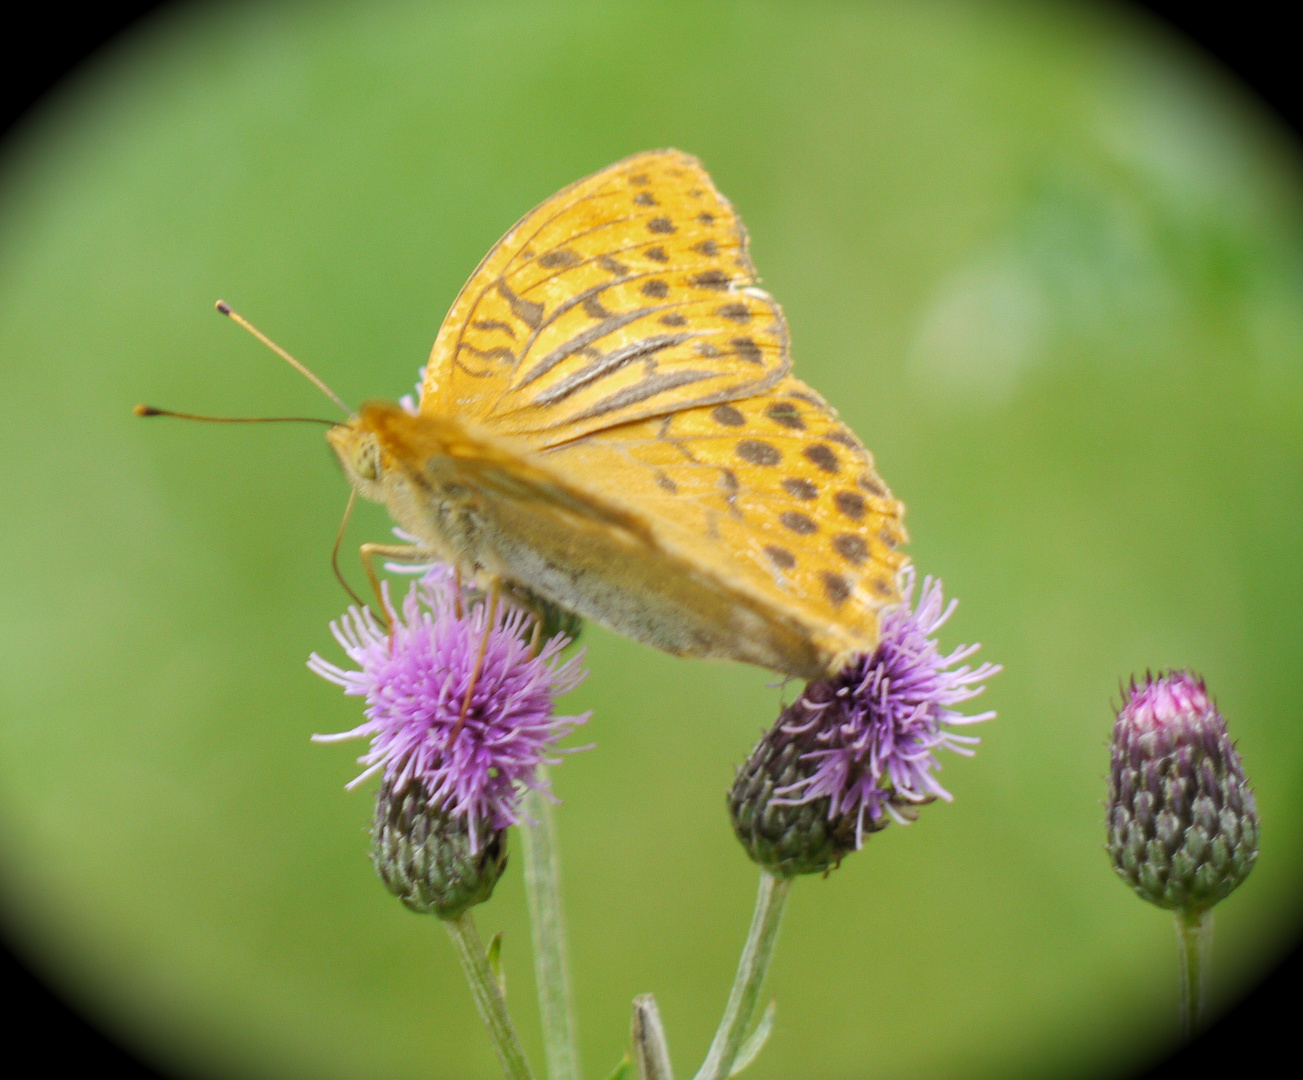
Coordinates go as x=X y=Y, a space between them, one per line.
x=608 y=422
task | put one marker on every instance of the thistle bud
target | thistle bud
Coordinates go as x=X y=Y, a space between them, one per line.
x=429 y=858
x=1182 y=822
x=787 y=837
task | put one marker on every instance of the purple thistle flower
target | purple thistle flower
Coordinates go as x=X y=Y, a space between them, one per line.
x=415 y=687
x=888 y=711
x=864 y=740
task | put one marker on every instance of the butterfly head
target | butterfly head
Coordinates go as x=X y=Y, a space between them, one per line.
x=408 y=463
x=391 y=457
x=359 y=452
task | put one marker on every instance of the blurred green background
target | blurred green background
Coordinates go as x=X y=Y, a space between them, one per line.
x=1046 y=263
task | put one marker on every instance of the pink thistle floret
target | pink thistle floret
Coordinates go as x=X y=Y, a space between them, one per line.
x=876 y=724
x=1160 y=702
x=415 y=687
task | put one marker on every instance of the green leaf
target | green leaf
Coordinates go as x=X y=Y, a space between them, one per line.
x=621 y=1070
x=755 y=1041
x=494 y=956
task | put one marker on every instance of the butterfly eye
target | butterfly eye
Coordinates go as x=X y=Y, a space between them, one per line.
x=366 y=459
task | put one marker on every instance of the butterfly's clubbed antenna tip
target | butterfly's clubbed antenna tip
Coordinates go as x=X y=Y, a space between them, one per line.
x=225 y=309
x=146 y=410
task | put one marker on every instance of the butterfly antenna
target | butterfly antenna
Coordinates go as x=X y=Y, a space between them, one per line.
x=149 y=410
x=301 y=368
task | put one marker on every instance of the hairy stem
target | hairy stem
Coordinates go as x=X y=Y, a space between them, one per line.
x=751 y=970
x=551 y=967
x=1194 y=942
x=488 y=996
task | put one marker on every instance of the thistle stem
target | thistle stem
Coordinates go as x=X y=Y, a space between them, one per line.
x=551 y=967
x=488 y=996
x=751 y=969
x=1194 y=942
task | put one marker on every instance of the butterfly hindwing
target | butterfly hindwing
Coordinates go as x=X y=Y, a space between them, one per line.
x=772 y=492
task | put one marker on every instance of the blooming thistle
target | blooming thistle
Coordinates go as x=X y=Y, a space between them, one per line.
x=453 y=771
x=1182 y=822
x=857 y=750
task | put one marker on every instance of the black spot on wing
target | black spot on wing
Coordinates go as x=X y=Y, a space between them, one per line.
x=780 y=556
x=799 y=523
x=823 y=457
x=501 y=354
x=594 y=308
x=785 y=413
x=746 y=349
x=800 y=488
x=560 y=257
x=528 y=312
x=872 y=486
x=836 y=586
x=758 y=453
x=851 y=547
x=738 y=313
x=715 y=280
x=494 y=324
x=850 y=503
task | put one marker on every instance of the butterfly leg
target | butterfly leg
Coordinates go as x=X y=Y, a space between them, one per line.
x=490 y=618
x=550 y=619
x=401 y=553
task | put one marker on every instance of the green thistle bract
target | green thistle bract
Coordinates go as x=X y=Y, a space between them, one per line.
x=427 y=857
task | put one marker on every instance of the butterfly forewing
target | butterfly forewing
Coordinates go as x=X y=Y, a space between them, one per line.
x=627 y=295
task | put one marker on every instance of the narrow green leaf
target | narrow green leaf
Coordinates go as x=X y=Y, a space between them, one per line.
x=494 y=955
x=621 y=1070
x=755 y=1041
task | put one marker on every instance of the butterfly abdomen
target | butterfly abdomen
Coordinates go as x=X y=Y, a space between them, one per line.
x=499 y=509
